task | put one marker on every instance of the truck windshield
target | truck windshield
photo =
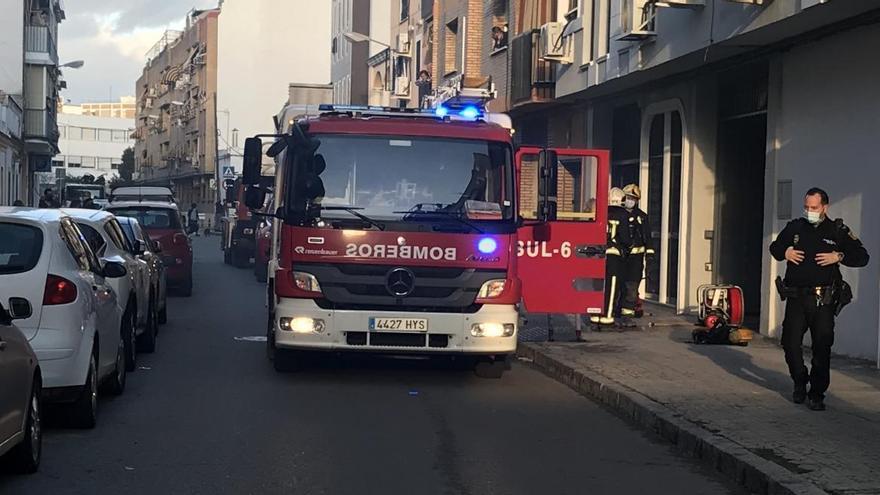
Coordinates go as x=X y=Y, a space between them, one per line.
x=394 y=178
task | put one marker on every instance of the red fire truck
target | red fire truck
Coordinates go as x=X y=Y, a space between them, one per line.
x=423 y=232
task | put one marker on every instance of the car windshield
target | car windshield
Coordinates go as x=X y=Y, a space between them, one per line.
x=20 y=247
x=151 y=218
x=385 y=178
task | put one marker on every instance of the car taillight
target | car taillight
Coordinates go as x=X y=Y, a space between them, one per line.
x=59 y=290
x=179 y=239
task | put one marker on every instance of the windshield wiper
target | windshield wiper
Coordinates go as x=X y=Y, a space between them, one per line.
x=455 y=215
x=354 y=211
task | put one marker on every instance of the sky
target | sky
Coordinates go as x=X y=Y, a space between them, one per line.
x=113 y=37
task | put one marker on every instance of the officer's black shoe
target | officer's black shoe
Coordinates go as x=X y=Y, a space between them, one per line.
x=799 y=396
x=816 y=404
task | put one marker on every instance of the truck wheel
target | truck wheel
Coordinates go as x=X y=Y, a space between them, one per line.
x=239 y=258
x=286 y=360
x=491 y=368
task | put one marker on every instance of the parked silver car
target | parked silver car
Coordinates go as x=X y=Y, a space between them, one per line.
x=21 y=433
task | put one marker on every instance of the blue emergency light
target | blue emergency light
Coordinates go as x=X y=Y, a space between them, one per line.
x=487 y=245
x=441 y=111
x=470 y=112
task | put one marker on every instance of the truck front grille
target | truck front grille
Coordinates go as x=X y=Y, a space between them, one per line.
x=388 y=339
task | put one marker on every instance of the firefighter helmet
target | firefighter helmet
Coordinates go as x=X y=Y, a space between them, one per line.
x=615 y=197
x=632 y=190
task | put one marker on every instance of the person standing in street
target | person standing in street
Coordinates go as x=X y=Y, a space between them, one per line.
x=639 y=234
x=814 y=247
x=616 y=247
x=48 y=199
x=192 y=219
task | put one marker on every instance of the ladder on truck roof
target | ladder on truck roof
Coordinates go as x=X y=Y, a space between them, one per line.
x=462 y=92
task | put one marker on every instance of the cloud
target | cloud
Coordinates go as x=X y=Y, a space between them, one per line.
x=112 y=37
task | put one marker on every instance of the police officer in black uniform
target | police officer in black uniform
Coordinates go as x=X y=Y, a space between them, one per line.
x=639 y=234
x=813 y=247
x=616 y=247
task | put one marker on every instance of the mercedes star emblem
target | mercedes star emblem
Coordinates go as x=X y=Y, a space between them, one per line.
x=400 y=282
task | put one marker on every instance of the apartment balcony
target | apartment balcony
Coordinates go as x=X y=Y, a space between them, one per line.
x=41 y=131
x=10 y=117
x=40 y=46
x=532 y=80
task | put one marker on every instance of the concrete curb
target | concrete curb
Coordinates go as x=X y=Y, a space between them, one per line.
x=755 y=473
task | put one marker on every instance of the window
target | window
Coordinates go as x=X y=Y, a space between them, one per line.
x=75 y=244
x=572 y=11
x=116 y=235
x=120 y=136
x=94 y=238
x=114 y=166
x=58 y=163
x=105 y=135
x=105 y=163
x=575 y=188
x=151 y=218
x=74 y=161
x=20 y=248
x=75 y=133
x=499 y=35
x=404 y=10
x=88 y=134
x=89 y=161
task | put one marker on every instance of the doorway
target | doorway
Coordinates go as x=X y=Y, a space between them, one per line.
x=742 y=151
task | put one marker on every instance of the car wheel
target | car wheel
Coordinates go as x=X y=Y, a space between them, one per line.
x=147 y=340
x=25 y=457
x=286 y=360
x=84 y=412
x=116 y=384
x=129 y=340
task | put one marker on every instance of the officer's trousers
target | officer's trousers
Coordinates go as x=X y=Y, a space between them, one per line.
x=634 y=267
x=803 y=313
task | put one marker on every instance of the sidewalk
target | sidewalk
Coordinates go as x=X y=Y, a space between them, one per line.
x=729 y=406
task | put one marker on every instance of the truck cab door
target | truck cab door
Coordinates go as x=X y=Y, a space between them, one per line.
x=561 y=260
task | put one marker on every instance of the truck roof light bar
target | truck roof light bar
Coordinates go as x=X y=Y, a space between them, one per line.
x=465 y=113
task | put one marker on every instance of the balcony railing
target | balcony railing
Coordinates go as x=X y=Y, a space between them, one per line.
x=532 y=79
x=10 y=117
x=40 y=45
x=41 y=124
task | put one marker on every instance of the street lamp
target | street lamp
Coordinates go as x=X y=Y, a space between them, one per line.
x=76 y=64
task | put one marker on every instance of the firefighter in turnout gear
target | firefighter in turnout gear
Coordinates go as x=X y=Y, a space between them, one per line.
x=614 y=264
x=638 y=234
x=813 y=247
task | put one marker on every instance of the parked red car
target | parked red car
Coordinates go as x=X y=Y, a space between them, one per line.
x=161 y=221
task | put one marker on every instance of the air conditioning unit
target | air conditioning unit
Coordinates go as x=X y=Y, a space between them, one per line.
x=553 y=46
x=401 y=86
x=635 y=20
x=151 y=92
x=403 y=42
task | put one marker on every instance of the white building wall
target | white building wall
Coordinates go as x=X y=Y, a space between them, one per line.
x=380 y=23
x=12 y=47
x=826 y=135
x=264 y=45
x=94 y=143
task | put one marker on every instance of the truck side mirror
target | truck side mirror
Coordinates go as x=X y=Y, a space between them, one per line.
x=253 y=161
x=548 y=172
x=255 y=197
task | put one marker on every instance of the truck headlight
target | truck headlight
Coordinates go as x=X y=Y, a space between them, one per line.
x=493 y=329
x=492 y=289
x=301 y=325
x=306 y=282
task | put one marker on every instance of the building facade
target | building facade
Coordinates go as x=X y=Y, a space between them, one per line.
x=349 y=72
x=176 y=124
x=724 y=112
x=91 y=145
x=125 y=108
x=10 y=150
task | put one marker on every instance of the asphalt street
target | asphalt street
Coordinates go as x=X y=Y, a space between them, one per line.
x=207 y=414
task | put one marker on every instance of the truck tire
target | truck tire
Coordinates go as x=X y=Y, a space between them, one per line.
x=491 y=368
x=261 y=271
x=240 y=259
x=286 y=360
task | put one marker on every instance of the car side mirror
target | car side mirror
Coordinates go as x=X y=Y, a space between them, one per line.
x=157 y=246
x=113 y=269
x=253 y=161
x=20 y=308
x=548 y=173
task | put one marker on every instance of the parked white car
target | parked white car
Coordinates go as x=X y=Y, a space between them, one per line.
x=75 y=327
x=102 y=231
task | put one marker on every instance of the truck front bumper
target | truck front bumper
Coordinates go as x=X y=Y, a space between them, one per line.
x=344 y=330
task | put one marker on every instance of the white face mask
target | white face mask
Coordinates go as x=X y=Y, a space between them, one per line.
x=629 y=203
x=813 y=216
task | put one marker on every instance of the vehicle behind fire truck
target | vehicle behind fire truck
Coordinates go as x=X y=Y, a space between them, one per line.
x=415 y=232
x=238 y=227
